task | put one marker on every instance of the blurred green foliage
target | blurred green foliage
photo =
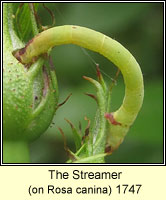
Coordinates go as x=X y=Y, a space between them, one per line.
x=137 y=26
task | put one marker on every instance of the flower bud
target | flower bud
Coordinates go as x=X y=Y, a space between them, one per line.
x=30 y=95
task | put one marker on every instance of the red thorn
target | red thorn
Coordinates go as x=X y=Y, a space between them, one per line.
x=92 y=96
x=64 y=138
x=87 y=129
x=88 y=126
x=98 y=71
x=68 y=121
x=64 y=100
x=65 y=145
x=111 y=119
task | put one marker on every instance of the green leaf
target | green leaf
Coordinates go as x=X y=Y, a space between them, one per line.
x=25 y=22
x=76 y=135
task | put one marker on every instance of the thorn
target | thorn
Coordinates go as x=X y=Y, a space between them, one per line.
x=89 y=79
x=64 y=101
x=86 y=119
x=98 y=72
x=68 y=121
x=72 y=126
x=87 y=129
x=70 y=155
x=64 y=138
x=92 y=96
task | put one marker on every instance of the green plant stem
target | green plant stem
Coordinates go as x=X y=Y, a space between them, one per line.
x=15 y=149
x=15 y=152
